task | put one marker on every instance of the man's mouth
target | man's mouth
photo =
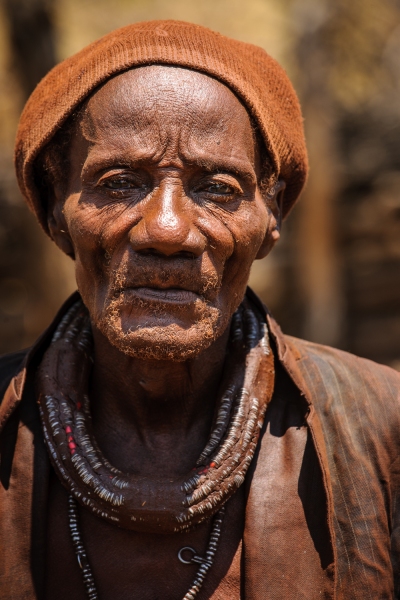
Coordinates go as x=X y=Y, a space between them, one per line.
x=171 y=295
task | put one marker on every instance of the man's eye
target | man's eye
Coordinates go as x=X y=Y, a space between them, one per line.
x=219 y=188
x=122 y=183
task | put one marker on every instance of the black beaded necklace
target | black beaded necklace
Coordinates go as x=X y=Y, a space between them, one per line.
x=204 y=562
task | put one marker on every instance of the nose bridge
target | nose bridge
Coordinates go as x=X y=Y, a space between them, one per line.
x=169 y=217
x=167 y=225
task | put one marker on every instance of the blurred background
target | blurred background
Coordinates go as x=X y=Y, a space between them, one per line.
x=335 y=276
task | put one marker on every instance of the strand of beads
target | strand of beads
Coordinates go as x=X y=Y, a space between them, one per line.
x=241 y=430
x=87 y=575
x=221 y=425
x=209 y=558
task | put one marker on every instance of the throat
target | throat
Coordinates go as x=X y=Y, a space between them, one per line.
x=165 y=449
x=154 y=416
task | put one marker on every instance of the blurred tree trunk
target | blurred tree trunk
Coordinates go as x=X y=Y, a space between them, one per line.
x=33 y=278
x=32 y=39
x=318 y=255
x=347 y=224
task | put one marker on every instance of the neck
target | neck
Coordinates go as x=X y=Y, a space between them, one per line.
x=154 y=416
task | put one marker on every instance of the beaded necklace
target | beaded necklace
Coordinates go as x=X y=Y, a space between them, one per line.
x=129 y=501
x=205 y=563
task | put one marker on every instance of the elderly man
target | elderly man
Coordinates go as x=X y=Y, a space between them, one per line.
x=163 y=439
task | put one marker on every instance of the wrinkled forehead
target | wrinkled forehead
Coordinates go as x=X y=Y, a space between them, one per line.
x=168 y=100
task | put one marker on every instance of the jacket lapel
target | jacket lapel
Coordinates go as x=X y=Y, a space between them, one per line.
x=289 y=539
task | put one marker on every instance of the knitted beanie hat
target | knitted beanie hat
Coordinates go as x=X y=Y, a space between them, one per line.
x=256 y=78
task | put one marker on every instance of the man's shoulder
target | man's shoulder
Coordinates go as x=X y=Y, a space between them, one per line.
x=351 y=393
x=10 y=364
x=15 y=362
x=342 y=364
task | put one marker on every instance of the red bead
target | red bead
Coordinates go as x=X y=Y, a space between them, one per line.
x=70 y=438
x=71 y=445
x=73 y=451
x=212 y=465
x=78 y=405
x=68 y=429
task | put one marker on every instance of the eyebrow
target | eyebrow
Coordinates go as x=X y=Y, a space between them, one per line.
x=101 y=161
x=236 y=167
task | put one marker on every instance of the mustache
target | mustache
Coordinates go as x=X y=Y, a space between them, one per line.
x=160 y=273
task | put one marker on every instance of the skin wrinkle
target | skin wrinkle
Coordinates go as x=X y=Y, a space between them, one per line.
x=158 y=360
x=174 y=149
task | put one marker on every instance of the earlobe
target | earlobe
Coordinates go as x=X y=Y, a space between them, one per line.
x=270 y=239
x=275 y=201
x=58 y=229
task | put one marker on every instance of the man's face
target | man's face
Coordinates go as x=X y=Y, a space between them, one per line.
x=163 y=210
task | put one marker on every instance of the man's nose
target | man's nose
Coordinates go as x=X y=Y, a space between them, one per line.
x=168 y=224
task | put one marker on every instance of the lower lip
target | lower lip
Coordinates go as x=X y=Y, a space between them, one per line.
x=170 y=295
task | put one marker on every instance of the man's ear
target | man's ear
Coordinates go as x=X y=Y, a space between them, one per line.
x=275 y=204
x=58 y=226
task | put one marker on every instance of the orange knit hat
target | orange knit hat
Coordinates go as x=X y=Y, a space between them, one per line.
x=256 y=78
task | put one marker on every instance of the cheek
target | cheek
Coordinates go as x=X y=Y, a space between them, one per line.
x=235 y=238
x=237 y=233
x=93 y=233
x=216 y=226
x=94 y=230
x=248 y=230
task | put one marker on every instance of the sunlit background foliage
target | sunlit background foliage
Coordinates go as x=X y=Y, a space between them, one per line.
x=335 y=276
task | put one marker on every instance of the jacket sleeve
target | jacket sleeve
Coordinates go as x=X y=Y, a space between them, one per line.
x=395 y=537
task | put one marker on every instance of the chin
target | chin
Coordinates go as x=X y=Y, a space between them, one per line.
x=161 y=333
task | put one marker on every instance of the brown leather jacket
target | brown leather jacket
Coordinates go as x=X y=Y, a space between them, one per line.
x=323 y=492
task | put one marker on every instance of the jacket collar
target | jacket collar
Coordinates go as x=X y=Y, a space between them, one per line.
x=15 y=390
